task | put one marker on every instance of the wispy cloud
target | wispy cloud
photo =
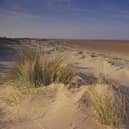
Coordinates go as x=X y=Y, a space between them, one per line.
x=58 y=4
x=8 y=13
x=60 y=1
x=67 y=7
x=19 y=24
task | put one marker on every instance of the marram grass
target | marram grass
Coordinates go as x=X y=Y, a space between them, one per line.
x=36 y=71
x=111 y=104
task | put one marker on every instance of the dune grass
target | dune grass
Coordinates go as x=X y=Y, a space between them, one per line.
x=110 y=103
x=39 y=70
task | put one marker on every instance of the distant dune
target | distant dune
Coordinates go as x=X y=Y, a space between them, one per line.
x=118 y=46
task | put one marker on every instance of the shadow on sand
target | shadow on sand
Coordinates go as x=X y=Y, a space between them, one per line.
x=7 y=54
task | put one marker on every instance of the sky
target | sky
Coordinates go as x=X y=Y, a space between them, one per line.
x=67 y=19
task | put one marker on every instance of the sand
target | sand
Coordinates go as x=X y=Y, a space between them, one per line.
x=120 y=47
x=56 y=106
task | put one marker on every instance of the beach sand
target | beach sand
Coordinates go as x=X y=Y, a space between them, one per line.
x=55 y=106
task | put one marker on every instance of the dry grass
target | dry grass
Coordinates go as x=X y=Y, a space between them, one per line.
x=111 y=104
x=36 y=70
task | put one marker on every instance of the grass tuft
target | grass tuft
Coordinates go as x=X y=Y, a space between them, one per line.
x=111 y=104
x=35 y=70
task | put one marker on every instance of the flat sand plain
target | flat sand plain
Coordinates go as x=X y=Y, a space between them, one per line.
x=109 y=46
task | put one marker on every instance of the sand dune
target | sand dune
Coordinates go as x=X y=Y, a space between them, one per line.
x=56 y=106
x=61 y=109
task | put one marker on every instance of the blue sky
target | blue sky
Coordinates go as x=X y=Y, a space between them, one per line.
x=79 y=19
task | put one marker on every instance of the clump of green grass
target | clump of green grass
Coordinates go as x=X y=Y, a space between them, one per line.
x=35 y=70
x=111 y=104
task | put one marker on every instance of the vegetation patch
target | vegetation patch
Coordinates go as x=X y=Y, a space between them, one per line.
x=111 y=104
x=37 y=70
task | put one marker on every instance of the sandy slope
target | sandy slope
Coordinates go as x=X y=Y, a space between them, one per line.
x=57 y=107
